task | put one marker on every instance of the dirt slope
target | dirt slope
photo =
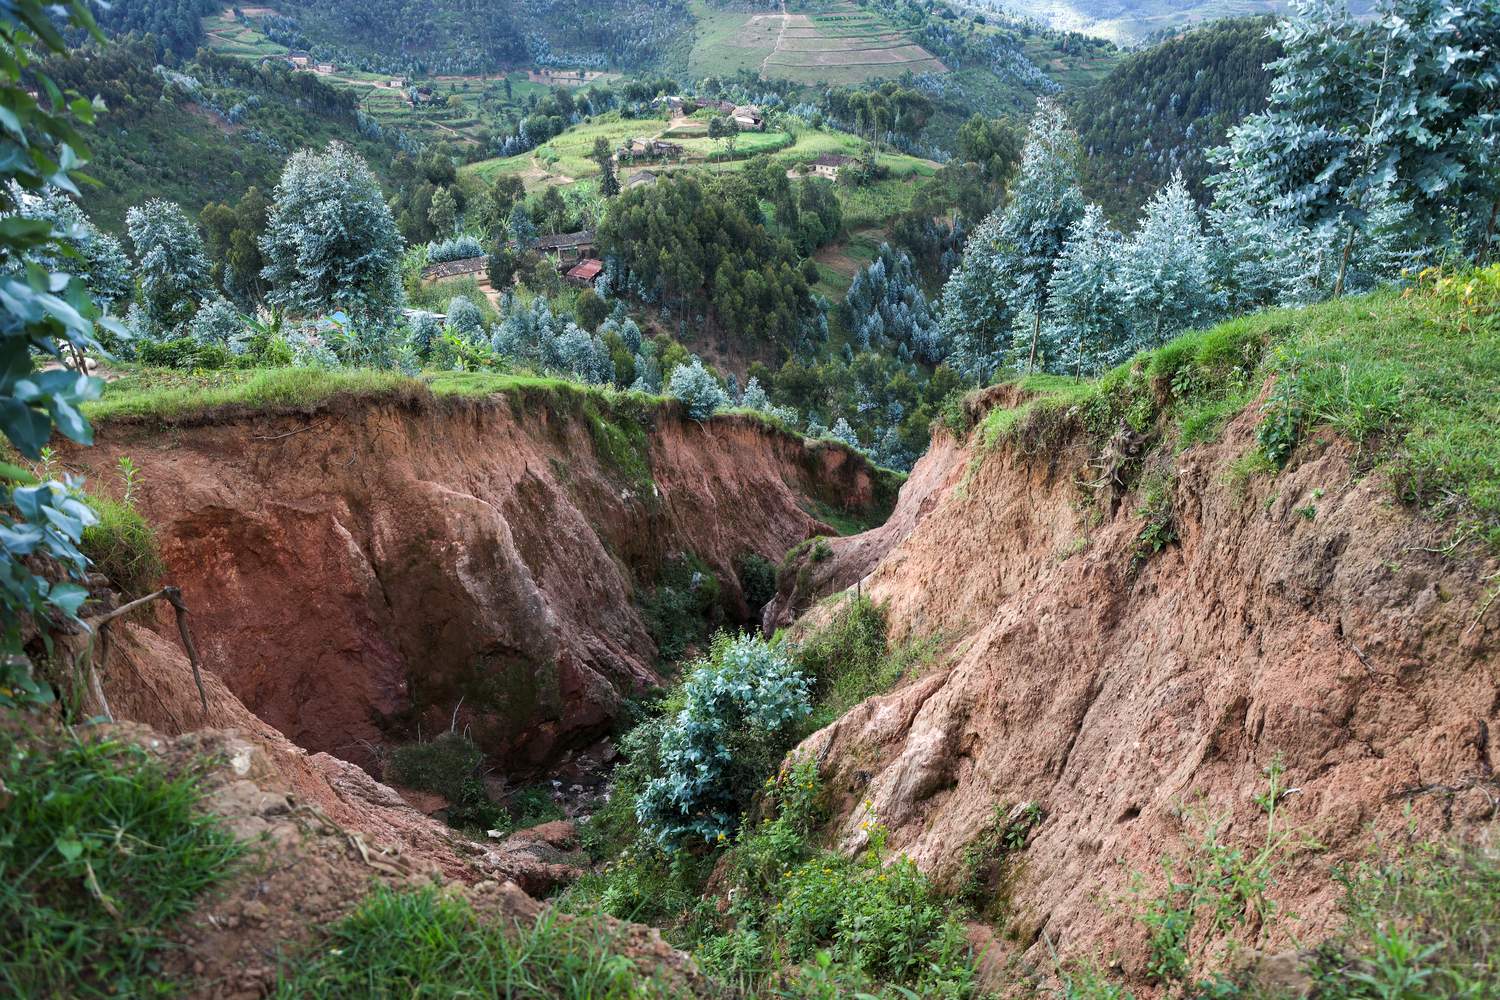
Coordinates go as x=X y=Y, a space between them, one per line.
x=366 y=570
x=1307 y=615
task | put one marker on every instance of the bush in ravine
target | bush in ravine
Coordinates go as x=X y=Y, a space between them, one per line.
x=740 y=705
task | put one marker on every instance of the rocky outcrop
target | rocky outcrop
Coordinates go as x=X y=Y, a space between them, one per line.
x=1307 y=616
x=370 y=570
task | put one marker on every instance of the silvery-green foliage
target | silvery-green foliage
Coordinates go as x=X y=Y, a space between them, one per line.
x=1045 y=202
x=581 y=356
x=331 y=244
x=888 y=307
x=425 y=329
x=976 y=311
x=1011 y=257
x=520 y=228
x=219 y=322
x=464 y=318
x=98 y=259
x=1404 y=101
x=693 y=385
x=1166 y=270
x=889 y=451
x=1084 y=328
x=461 y=247
x=738 y=707
x=755 y=397
x=173 y=269
x=843 y=432
x=647 y=370
x=526 y=333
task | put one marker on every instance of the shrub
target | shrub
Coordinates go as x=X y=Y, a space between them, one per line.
x=422 y=943
x=697 y=389
x=757 y=577
x=101 y=847
x=739 y=705
x=451 y=766
x=457 y=248
x=682 y=608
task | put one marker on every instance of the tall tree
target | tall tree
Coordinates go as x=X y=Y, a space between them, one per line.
x=1166 y=270
x=1084 y=324
x=609 y=184
x=331 y=243
x=1045 y=203
x=174 y=272
x=1403 y=105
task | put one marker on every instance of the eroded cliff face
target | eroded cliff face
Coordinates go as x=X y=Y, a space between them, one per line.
x=365 y=570
x=1307 y=615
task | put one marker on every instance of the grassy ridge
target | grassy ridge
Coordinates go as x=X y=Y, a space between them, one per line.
x=1411 y=378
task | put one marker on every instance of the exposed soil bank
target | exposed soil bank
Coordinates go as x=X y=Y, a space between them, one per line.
x=367 y=569
x=1307 y=615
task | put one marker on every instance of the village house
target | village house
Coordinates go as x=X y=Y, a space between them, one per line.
x=456 y=268
x=398 y=82
x=585 y=271
x=748 y=118
x=649 y=149
x=565 y=248
x=421 y=95
x=298 y=59
x=640 y=178
x=829 y=164
x=323 y=69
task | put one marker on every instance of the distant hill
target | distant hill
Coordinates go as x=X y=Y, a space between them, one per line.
x=203 y=132
x=478 y=36
x=1160 y=109
x=1128 y=21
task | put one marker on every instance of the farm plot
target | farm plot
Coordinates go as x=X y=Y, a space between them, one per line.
x=843 y=44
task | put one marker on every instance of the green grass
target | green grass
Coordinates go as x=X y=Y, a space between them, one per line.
x=849 y=659
x=166 y=395
x=1412 y=379
x=101 y=849
x=424 y=945
x=123 y=546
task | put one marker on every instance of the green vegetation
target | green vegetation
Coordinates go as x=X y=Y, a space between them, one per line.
x=453 y=766
x=849 y=659
x=123 y=546
x=683 y=609
x=1420 y=918
x=102 y=846
x=1159 y=110
x=1409 y=377
x=421 y=943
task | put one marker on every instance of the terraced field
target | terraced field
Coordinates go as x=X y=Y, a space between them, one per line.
x=839 y=43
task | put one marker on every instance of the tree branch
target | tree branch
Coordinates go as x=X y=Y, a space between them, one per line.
x=174 y=596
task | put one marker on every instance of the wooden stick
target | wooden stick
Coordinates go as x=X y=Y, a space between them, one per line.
x=174 y=596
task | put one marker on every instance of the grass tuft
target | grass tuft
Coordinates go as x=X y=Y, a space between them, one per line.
x=123 y=546
x=425 y=944
x=101 y=848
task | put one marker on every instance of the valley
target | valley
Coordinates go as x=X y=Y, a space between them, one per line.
x=777 y=499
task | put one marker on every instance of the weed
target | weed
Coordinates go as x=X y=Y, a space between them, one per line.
x=123 y=546
x=1160 y=528
x=451 y=766
x=757 y=579
x=101 y=848
x=425 y=944
x=989 y=861
x=848 y=659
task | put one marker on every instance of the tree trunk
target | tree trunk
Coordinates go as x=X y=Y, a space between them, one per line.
x=1338 y=285
x=1036 y=333
x=1078 y=360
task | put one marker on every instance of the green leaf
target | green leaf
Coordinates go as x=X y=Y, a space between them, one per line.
x=71 y=850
